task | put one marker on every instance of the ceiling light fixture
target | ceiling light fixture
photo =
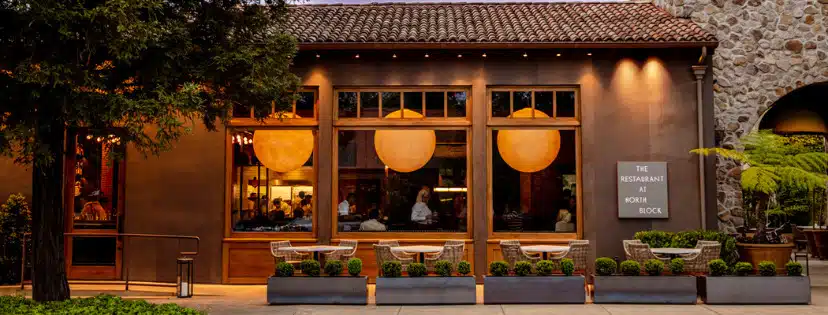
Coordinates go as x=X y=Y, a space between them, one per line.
x=356 y=56
x=484 y=55
x=589 y=54
x=426 y=55
x=394 y=56
x=525 y=55
x=459 y=56
x=557 y=55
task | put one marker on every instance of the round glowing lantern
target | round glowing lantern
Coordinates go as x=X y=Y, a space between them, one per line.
x=528 y=151
x=283 y=150
x=405 y=150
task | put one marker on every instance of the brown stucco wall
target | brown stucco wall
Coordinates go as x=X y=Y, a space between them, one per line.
x=14 y=178
x=179 y=192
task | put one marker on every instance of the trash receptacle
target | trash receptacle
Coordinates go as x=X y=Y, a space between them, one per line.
x=184 y=283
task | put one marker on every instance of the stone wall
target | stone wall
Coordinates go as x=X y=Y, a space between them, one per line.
x=767 y=48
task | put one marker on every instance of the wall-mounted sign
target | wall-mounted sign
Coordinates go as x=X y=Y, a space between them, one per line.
x=642 y=190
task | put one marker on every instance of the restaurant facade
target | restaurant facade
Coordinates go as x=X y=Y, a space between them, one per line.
x=422 y=123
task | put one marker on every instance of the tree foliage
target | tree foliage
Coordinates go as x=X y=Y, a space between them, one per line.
x=144 y=70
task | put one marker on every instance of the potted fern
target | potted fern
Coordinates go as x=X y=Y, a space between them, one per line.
x=420 y=288
x=539 y=286
x=772 y=165
x=319 y=285
x=741 y=286
x=650 y=287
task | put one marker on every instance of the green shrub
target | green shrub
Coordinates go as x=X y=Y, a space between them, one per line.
x=794 y=269
x=333 y=268
x=677 y=266
x=605 y=266
x=499 y=268
x=717 y=267
x=654 y=267
x=656 y=239
x=391 y=269
x=567 y=266
x=742 y=269
x=631 y=268
x=464 y=268
x=523 y=268
x=417 y=270
x=767 y=268
x=354 y=267
x=15 y=221
x=545 y=267
x=284 y=269
x=101 y=304
x=310 y=267
x=443 y=268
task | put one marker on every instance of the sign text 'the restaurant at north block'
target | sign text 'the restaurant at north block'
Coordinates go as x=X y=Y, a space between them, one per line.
x=642 y=190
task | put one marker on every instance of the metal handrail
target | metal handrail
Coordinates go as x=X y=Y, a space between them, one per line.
x=125 y=262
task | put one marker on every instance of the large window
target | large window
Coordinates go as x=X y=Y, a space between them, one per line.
x=97 y=182
x=273 y=180
x=534 y=169
x=395 y=175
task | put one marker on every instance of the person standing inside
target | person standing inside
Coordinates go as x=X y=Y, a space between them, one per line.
x=345 y=206
x=420 y=213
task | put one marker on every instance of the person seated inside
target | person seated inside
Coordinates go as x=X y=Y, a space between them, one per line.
x=420 y=213
x=564 y=221
x=347 y=206
x=373 y=223
x=276 y=215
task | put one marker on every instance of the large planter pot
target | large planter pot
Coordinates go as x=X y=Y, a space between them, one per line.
x=645 y=289
x=426 y=290
x=534 y=290
x=317 y=290
x=757 y=290
x=820 y=247
x=779 y=254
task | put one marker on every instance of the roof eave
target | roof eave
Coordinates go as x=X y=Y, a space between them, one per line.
x=503 y=45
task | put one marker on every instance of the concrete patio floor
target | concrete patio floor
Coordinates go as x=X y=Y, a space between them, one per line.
x=250 y=299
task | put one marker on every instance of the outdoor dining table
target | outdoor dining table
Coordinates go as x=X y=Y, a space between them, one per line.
x=544 y=249
x=315 y=249
x=673 y=252
x=421 y=249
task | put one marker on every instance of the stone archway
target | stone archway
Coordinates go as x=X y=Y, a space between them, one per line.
x=803 y=110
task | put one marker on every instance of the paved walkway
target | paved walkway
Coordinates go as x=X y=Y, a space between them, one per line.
x=250 y=299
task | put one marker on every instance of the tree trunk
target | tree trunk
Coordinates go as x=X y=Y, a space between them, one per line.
x=49 y=275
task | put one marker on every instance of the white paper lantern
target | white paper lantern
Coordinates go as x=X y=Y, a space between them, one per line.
x=405 y=150
x=528 y=151
x=283 y=150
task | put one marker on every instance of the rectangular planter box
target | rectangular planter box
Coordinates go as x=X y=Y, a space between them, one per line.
x=534 y=290
x=426 y=290
x=757 y=290
x=645 y=289
x=317 y=290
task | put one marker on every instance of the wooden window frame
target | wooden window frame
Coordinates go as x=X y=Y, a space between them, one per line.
x=551 y=123
x=273 y=121
x=381 y=121
x=426 y=123
x=272 y=124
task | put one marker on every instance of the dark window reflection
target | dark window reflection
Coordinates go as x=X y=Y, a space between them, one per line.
x=264 y=200
x=543 y=103
x=523 y=100
x=369 y=104
x=390 y=102
x=414 y=102
x=500 y=104
x=305 y=105
x=543 y=201
x=347 y=104
x=457 y=104
x=435 y=104
x=565 y=104
x=373 y=198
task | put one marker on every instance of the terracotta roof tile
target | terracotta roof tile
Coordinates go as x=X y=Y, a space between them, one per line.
x=491 y=23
